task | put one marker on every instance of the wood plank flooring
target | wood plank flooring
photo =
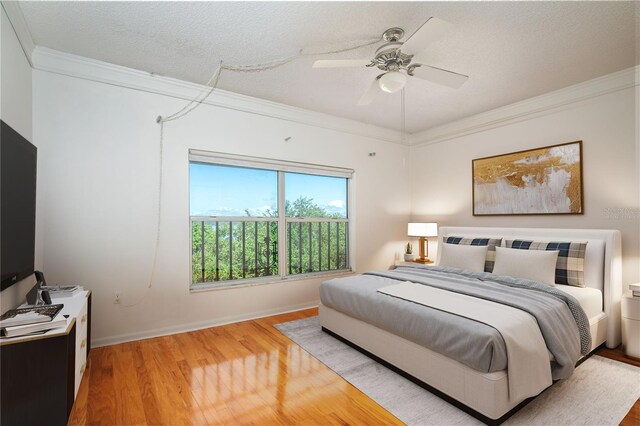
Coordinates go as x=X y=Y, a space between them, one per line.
x=243 y=373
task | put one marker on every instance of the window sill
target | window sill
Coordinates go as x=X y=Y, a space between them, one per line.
x=198 y=288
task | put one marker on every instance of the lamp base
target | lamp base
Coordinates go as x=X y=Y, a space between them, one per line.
x=423 y=261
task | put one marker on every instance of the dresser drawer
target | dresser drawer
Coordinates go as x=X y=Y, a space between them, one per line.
x=82 y=320
x=81 y=345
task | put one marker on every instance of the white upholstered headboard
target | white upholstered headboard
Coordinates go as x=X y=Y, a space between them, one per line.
x=603 y=260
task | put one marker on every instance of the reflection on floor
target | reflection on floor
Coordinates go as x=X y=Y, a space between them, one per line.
x=234 y=374
x=239 y=373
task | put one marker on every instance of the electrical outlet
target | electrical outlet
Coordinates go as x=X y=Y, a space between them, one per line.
x=116 y=296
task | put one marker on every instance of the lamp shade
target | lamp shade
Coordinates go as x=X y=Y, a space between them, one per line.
x=392 y=81
x=422 y=230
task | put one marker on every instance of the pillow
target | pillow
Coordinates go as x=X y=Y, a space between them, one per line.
x=489 y=242
x=466 y=257
x=570 y=264
x=536 y=265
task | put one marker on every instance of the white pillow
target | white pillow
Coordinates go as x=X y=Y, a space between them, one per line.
x=471 y=258
x=536 y=265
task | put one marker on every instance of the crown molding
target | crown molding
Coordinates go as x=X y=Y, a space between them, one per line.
x=50 y=60
x=14 y=13
x=529 y=108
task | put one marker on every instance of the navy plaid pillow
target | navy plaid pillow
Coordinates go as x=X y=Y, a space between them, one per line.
x=570 y=265
x=491 y=251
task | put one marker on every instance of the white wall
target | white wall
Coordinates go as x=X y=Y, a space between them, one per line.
x=15 y=110
x=607 y=126
x=16 y=81
x=99 y=165
x=101 y=171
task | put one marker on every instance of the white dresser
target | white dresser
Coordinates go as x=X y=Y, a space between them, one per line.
x=41 y=374
x=77 y=307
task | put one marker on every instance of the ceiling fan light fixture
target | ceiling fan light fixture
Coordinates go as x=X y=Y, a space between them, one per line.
x=392 y=81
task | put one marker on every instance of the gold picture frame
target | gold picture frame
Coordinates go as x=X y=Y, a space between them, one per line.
x=539 y=181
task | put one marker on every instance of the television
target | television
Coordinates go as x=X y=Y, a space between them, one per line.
x=17 y=206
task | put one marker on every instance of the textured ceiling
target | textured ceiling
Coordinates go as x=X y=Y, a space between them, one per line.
x=510 y=50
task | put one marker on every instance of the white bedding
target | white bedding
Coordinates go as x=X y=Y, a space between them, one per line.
x=528 y=359
x=590 y=298
x=487 y=393
x=602 y=264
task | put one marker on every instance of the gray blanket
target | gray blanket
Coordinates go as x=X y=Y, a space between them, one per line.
x=563 y=324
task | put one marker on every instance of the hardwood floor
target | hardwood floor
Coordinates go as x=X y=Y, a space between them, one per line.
x=243 y=373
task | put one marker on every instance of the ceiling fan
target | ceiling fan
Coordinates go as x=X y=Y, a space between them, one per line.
x=395 y=56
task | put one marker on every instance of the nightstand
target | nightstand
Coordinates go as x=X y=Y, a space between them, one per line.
x=403 y=263
x=631 y=325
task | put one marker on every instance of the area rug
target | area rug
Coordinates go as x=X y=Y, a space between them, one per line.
x=600 y=391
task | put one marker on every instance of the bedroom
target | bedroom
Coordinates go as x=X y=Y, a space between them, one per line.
x=92 y=114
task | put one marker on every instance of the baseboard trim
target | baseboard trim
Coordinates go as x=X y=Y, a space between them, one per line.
x=199 y=325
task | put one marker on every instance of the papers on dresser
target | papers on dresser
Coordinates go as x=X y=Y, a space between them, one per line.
x=22 y=330
x=30 y=315
x=63 y=291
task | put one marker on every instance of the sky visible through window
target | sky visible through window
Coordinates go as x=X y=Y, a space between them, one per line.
x=329 y=193
x=232 y=191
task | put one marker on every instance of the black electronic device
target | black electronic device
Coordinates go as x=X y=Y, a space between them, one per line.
x=37 y=295
x=18 y=161
x=40 y=279
x=32 y=296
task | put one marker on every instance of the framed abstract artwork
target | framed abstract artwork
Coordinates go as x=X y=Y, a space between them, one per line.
x=545 y=180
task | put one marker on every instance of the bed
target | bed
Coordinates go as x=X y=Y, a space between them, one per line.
x=477 y=383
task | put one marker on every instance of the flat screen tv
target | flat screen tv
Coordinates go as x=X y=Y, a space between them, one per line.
x=18 y=206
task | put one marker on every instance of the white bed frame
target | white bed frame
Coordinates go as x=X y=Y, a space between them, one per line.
x=485 y=395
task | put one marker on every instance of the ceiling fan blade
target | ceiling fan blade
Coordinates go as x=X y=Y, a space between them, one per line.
x=341 y=63
x=370 y=94
x=439 y=76
x=431 y=30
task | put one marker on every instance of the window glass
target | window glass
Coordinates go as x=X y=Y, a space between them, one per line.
x=313 y=196
x=317 y=246
x=232 y=191
x=236 y=232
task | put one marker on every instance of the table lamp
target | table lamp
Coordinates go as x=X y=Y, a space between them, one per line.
x=423 y=231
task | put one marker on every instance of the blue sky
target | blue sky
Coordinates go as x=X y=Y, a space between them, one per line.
x=228 y=191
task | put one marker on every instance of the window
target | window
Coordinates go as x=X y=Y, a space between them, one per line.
x=255 y=219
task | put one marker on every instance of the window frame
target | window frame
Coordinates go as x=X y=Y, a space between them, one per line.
x=281 y=167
